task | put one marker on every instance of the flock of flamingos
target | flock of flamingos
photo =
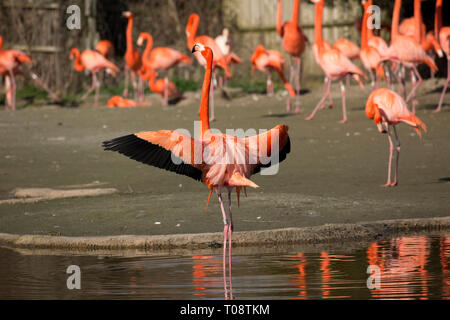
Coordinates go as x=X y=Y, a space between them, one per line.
x=221 y=161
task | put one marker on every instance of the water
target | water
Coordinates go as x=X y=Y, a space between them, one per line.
x=413 y=267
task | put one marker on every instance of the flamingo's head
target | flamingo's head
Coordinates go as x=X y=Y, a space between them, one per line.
x=127 y=14
x=73 y=53
x=205 y=51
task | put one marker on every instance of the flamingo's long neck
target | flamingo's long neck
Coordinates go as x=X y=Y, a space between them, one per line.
x=438 y=18
x=129 y=34
x=1 y=43
x=395 y=20
x=318 y=40
x=279 y=15
x=417 y=20
x=369 y=31
x=78 y=65
x=295 y=11
x=192 y=29
x=204 y=105
x=148 y=48
x=364 y=27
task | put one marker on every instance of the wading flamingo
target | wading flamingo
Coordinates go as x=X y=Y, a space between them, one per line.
x=10 y=66
x=370 y=57
x=294 y=43
x=220 y=161
x=133 y=61
x=268 y=61
x=94 y=62
x=388 y=108
x=444 y=40
x=219 y=58
x=408 y=52
x=167 y=89
x=333 y=63
x=160 y=58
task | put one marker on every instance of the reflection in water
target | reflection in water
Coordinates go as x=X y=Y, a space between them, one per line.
x=410 y=268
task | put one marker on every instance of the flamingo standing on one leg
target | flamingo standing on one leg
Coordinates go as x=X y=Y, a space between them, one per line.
x=370 y=57
x=408 y=52
x=219 y=59
x=334 y=64
x=133 y=62
x=388 y=108
x=160 y=58
x=220 y=161
x=94 y=62
x=267 y=61
x=294 y=43
x=444 y=40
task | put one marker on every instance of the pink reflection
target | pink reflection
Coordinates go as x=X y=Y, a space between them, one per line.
x=300 y=278
x=444 y=255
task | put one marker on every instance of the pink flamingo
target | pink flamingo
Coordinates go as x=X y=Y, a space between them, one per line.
x=105 y=48
x=94 y=62
x=294 y=43
x=267 y=61
x=333 y=63
x=206 y=158
x=408 y=52
x=160 y=58
x=388 y=108
x=444 y=40
x=167 y=89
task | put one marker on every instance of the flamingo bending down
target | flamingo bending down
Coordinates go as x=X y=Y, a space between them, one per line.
x=334 y=64
x=370 y=57
x=118 y=101
x=408 y=52
x=220 y=161
x=444 y=40
x=133 y=61
x=94 y=62
x=160 y=58
x=294 y=43
x=167 y=89
x=219 y=58
x=267 y=61
x=388 y=108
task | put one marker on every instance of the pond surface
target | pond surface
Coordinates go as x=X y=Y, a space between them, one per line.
x=412 y=267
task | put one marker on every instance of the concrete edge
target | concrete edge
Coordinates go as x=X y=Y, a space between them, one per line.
x=327 y=233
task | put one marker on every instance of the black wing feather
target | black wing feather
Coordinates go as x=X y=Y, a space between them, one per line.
x=146 y=152
x=281 y=156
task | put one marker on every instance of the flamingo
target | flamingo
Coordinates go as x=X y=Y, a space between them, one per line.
x=10 y=66
x=370 y=57
x=167 y=89
x=94 y=62
x=161 y=58
x=105 y=48
x=444 y=40
x=133 y=60
x=220 y=161
x=388 y=108
x=267 y=61
x=408 y=52
x=118 y=101
x=224 y=43
x=294 y=43
x=334 y=64
x=219 y=59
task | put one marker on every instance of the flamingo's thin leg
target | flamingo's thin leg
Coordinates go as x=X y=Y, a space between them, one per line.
x=127 y=75
x=134 y=83
x=416 y=84
x=391 y=151
x=93 y=86
x=441 y=99
x=325 y=95
x=291 y=71
x=225 y=232
x=297 y=98
x=397 y=144
x=230 y=232
x=13 y=90
x=39 y=82
x=166 y=91
x=344 y=109
x=269 y=84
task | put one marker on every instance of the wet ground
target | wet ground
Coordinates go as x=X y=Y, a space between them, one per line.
x=413 y=267
x=332 y=175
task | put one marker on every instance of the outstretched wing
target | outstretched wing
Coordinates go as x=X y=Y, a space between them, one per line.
x=268 y=148
x=165 y=149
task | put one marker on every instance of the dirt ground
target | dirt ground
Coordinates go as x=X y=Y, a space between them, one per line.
x=333 y=174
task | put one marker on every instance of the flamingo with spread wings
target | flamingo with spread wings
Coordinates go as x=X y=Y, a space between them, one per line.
x=220 y=161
